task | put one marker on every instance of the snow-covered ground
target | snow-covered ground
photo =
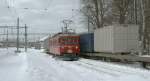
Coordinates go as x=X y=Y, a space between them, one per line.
x=37 y=66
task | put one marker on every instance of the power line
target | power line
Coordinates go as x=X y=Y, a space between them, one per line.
x=10 y=6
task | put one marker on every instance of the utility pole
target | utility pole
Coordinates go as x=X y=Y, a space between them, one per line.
x=26 y=41
x=7 y=39
x=4 y=38
x=18 y=35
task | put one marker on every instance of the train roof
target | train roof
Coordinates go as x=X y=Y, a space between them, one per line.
x=44 y=38
x=65 y=34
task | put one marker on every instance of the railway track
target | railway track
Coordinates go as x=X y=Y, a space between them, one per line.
x=144 y=60
x=104 y=68
x=86 y=66
x=108 y=70
x=100 y=70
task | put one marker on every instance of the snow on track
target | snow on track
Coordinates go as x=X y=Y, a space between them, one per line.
x=113 y=69
x=37 y=66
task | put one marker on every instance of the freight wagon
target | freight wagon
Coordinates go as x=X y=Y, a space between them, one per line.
x=115 y=39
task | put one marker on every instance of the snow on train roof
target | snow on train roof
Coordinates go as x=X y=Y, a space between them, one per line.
x=59 y=34
x=65 y=34
x=44 y=38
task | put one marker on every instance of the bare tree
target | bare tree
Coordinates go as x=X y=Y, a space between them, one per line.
x=95 y=10
x=96 y=5
x=120 y=9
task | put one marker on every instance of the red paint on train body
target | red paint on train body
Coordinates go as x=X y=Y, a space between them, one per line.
x=64 y=44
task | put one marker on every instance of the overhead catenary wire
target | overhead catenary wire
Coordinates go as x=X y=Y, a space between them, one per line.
x=15 y=11
x=11 y=8
x=10 y=4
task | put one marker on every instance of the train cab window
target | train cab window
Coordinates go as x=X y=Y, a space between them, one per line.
x=69 y=40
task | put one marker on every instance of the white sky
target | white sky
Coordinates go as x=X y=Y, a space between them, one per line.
x=37 y=18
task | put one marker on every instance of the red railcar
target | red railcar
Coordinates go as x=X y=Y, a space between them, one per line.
x=65 y=45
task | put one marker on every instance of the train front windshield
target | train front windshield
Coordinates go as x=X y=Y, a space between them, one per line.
x=70 y=40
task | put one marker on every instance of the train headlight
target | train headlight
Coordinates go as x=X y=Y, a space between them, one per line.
x=77 y=47
x=70 y=51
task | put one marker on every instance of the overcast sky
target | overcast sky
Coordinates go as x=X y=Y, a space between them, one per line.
x=40 y=15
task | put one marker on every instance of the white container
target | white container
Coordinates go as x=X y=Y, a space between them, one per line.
x=116 y=39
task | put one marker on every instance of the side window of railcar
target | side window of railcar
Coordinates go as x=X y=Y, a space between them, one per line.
x=70 y=40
